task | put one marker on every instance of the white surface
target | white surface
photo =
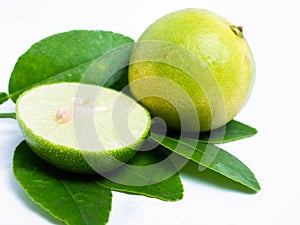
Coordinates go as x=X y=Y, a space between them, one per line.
x=271 y=28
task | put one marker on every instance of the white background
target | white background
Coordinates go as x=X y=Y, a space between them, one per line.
x=272 y=30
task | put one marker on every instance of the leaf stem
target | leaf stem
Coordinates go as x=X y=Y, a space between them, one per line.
x=8 y=115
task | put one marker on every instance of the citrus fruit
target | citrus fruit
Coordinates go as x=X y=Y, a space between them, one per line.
x=192 y=68
x=81 y=128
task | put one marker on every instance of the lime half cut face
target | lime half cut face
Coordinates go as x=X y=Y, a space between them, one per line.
x=82 y=128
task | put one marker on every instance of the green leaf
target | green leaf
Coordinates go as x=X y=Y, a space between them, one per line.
x=211 y=157
x=66 y=57
x=148 y=171
x=72 y=198
x=3 y=97
x=234 y=130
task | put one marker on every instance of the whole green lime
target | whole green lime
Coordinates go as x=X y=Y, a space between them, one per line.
x=82 y=128
x=192 y=68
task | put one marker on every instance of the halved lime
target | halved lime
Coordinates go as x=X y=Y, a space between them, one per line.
x=82 y=128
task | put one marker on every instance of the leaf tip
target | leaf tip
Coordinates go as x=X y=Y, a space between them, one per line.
x=3 y=97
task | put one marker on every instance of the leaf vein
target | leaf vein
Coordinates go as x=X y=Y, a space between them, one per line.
x=74 y=199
